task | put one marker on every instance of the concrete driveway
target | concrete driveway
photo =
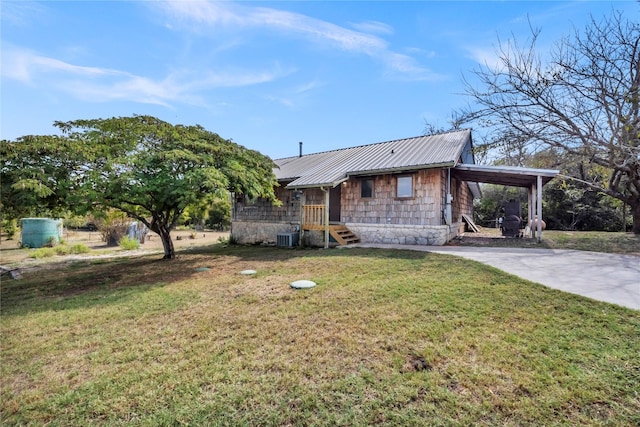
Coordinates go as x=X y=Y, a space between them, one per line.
x=604 y=277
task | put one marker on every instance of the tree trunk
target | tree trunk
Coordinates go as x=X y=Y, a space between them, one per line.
x=167 y=243
x=635 y=214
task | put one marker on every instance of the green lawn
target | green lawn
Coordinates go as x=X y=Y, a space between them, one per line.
x=597 y=241
x=387 y=337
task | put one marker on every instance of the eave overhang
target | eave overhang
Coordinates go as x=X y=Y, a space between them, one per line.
x=503 y=175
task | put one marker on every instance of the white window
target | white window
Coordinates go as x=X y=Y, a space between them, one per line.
x=405 y=186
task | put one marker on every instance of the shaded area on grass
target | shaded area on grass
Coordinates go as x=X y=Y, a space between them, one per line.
x=89 y=283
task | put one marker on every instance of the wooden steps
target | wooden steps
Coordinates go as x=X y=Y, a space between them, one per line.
x=343 y=235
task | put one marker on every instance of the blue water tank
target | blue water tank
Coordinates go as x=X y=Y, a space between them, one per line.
x=39 y=232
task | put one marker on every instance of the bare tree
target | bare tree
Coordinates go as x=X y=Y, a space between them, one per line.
x=583 y=99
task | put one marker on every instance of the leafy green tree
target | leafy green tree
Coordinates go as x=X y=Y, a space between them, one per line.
x=152 y=170
x=37 y=176
x=570 y=202
x=149 y=169
x=571 y=205
x=219 y=214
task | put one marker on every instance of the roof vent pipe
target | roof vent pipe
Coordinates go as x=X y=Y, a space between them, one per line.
x=300 y=149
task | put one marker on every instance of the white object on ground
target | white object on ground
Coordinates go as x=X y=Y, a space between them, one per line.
x=303 y=284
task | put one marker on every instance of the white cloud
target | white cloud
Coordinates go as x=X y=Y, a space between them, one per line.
x=421 y=52
x=22 y=64
x=203 y=16
x=373 y=27
x=485 y=56
x=405 y=66
x=20 y=13
x=215 y=14
x=104 y=84
x=307 y=87
x=293 y=97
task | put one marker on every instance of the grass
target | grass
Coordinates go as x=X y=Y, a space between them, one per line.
x=596 y=241
x=387 y=337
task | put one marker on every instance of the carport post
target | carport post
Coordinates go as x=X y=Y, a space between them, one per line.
x=326 y=216
x=539 y=208
x=531 y=208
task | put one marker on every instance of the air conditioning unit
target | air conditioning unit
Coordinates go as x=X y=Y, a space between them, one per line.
x=287 y=240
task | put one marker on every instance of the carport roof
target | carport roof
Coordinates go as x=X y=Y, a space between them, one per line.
x=503 y=175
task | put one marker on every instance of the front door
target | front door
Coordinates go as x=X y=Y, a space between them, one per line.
x=334 y=203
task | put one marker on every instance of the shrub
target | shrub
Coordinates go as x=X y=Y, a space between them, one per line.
x=45 y=252
x=127 y=243
x=62 y=250
x=42 y=253
x=79 y=248
x=228 y=240
x=113 y=226
x=9 y=228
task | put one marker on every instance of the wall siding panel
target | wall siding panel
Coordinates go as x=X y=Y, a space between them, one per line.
x=385 y=208
x=263 y=210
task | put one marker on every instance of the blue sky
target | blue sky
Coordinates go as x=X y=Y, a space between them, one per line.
x=266 y=74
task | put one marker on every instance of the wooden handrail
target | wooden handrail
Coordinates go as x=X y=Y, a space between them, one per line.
x=313 y=217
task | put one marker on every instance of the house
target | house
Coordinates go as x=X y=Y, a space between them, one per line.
x=407 y=191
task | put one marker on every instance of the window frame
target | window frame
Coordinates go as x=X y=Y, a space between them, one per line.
x=372 y=181
x=402 y=178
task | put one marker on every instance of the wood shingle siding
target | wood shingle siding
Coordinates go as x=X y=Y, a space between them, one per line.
x=263 y=210
x=385 y=208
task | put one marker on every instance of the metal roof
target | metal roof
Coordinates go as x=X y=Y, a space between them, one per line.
x=504 y=175
x=330 y=168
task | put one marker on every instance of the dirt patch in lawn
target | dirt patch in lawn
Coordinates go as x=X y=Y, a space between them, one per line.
x=491 y=237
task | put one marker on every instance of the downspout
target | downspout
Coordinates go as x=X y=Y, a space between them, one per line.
x=301 y=200
x=447 y=203
x=326 y=217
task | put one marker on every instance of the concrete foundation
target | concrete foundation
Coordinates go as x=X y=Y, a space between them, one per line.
x=265 y=232
x=430 y=235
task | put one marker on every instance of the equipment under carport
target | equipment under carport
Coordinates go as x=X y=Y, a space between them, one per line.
x=512 y=223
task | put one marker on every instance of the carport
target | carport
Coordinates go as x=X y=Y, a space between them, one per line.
x=531 y=179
